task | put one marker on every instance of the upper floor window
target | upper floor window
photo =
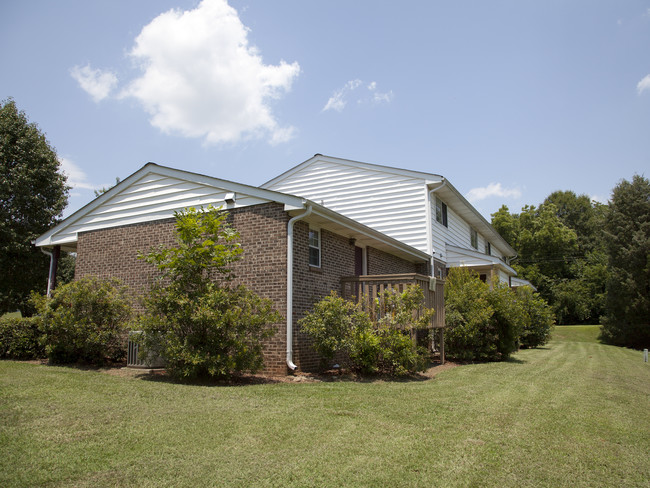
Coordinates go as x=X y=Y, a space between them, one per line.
x=314 y=247
x=473 y=238
x=441 y=212
x=488 y=248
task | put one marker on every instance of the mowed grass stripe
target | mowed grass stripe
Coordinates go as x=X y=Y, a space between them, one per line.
x=574 y=413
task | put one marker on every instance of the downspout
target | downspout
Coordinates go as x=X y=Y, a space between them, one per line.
x=54 y=258
x=292 y=221
x=430 y=237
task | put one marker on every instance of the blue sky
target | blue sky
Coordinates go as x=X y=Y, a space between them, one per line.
x=510 y=100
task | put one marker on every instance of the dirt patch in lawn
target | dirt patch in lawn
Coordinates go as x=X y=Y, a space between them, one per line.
x=333 y=375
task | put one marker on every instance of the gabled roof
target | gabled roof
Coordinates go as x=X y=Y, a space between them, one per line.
x=452 y=197
x=155 y=192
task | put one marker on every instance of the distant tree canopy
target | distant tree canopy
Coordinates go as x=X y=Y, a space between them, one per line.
x=560 y=250
x=33 y=193
x=627 y=240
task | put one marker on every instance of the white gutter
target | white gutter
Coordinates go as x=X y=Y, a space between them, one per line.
x=429 y=236
x=292 y=221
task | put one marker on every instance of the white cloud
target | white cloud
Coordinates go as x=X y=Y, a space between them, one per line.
x=77 y=179
x=339 y=98
x=201 y=78
x=643 y=85
x=97 y=83
x=492 y=190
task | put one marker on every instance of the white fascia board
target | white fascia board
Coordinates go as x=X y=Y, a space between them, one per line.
x=48 y=239
x=428 y=178
x=457 y=254
x=363 y=231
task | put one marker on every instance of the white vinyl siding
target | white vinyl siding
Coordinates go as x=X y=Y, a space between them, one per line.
x=154 y=197
x=392 y=204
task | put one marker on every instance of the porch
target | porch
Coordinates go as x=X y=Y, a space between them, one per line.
x=366 y=288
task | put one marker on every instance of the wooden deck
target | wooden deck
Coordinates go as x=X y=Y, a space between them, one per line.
x=366 y=288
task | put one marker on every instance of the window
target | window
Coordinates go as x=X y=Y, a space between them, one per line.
x=314 y=247
x=488 y=248
x=441 y=212
x=473 y=237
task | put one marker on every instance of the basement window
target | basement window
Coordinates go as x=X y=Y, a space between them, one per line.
x=314 y=248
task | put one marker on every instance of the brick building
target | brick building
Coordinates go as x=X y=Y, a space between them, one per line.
x=295 y=251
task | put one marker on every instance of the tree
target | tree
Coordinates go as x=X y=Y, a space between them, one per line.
x=33 y=193
x=560 y=250
x=627 y=239
x=200 y=324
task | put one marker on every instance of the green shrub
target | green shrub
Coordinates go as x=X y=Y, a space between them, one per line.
x=482 y=324
x=215 y=334
x=383 y=345
x=20 y=338
x=468 y=310
x=85 y=321
x=336 y=324
x=194 y=319
x=538 y=319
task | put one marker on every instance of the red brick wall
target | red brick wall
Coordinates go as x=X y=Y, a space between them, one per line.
x=311 y=285
x=263 y=235
x=113 y=253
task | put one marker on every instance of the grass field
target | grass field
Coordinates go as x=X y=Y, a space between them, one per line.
x=575 y=413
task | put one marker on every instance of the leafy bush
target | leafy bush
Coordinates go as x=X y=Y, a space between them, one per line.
x=194 y=319
x=468 y=313
x=85 y=320
x=482 y=324
x=538 y=318
x=383 y=345
x=20 y=338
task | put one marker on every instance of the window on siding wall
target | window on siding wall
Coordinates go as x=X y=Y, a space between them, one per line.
x=473 y=238
x=441 y=212
x=314 y=247
x=488 y=248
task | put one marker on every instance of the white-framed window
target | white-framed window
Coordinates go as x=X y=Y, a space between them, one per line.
x=314 y=247
x=441 y=212
x=473 y=238
x=488 y=248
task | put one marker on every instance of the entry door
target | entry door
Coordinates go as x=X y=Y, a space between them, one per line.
x=358 y=261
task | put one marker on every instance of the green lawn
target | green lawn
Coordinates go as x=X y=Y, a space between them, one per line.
x=575 y=413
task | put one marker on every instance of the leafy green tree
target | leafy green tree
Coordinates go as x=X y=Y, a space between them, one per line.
x=560 y=250
x=200 y=324
x=33 y=194
x=627 y=237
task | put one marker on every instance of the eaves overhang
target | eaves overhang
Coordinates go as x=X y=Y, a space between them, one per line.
x=459 y=204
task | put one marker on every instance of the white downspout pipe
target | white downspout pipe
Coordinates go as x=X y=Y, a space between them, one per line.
x=431 y=192
x=292 y=221
x=49 y=276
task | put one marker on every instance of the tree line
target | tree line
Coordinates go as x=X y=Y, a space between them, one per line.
x=590 y=261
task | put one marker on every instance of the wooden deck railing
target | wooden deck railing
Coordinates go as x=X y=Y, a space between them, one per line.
x=367 y=288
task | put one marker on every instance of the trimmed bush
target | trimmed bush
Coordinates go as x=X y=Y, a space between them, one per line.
x=482 y=324
x=538 y=318
x=20 y=338
x=85 y=321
